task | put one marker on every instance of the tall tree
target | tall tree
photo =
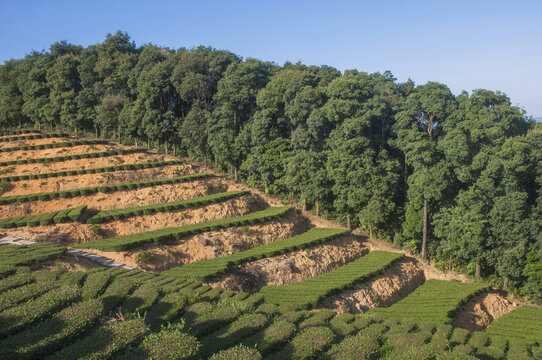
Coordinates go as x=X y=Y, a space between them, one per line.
x=418 y=128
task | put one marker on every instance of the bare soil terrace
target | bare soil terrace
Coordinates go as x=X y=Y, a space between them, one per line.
x=120 y=199
x=29 y=142
x=42 y=168
x=62 y=151
x=88 y=180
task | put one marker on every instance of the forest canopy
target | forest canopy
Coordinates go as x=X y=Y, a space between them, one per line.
x=454 y=178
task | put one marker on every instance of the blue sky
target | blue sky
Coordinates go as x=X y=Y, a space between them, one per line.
x=465 y=44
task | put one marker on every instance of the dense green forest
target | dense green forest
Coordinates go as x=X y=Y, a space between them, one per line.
x=454 y=178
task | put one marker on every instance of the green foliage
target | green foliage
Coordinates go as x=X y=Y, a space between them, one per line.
x=272 y=338
x=53 y=333
x=96 y=229
x=521 y=325
x=364 y=345
x=17 y=318
x=21 y=277
x=144 y=257
x=32 y=137
x=165 y=310
x=309 y=292
x=105 y=342
x=4 y=186
x=18 y=132
x=117 y=214
x=56 y=217
x=205 y=269
x=436 y=301
x=238 y=352
x=307 y=345
x=241 y=328
x=166 y=235
x=168 y=343
x=204 y=318
x=24 y=293
x=141 y=299
x=27 y=255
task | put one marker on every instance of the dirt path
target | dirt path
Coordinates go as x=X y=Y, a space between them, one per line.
x=121 y=199
x=40 y=168
x=210 y=244
x=28 y=142
x=63 y=151
x=292 y=267
x=88 y=180
x=481 y=310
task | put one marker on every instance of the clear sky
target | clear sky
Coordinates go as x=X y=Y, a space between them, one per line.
x=465 y=44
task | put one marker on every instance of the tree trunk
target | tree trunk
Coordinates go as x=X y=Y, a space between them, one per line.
x=136 y=142
x=424 y=241
x=406 y=169
x=478 y=270
x=76 y=131
x=304 y=204
x=370 y=231
x=165 y=144
x=235 y=173
x=317 y=207
x=505 y=285
x=205 y=160
x=96 y=131
x=158 y=149
x=148 y=143
x=348 y=222
x=174 y=148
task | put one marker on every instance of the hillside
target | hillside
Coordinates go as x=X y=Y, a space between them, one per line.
x=234 y=272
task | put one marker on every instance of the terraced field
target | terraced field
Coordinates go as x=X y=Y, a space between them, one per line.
x=156 y=212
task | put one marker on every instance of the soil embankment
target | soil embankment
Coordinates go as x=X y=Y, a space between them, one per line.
x=121 y=199
x=31 y=142
x=62 y=151
x=42 y=168
x=384 y=290
x=88 y=180
x=481 y=310
x=292 y=267
x=210 y=244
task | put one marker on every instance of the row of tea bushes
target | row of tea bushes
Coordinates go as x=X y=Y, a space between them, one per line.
x=103 y=189
x=435 y=301
x=309 y=292
x=55 y=145
x=18 y=132
x=209 y=321
x=18 y=255
x=139 y=166
x=54 y=217
x=91 y=155
x=166 y=235
x=33 y=137
x=118 y=214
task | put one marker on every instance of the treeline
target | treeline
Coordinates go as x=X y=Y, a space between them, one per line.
x=456 y=178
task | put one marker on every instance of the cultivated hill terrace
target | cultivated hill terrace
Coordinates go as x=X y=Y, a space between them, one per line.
x=215 y=269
